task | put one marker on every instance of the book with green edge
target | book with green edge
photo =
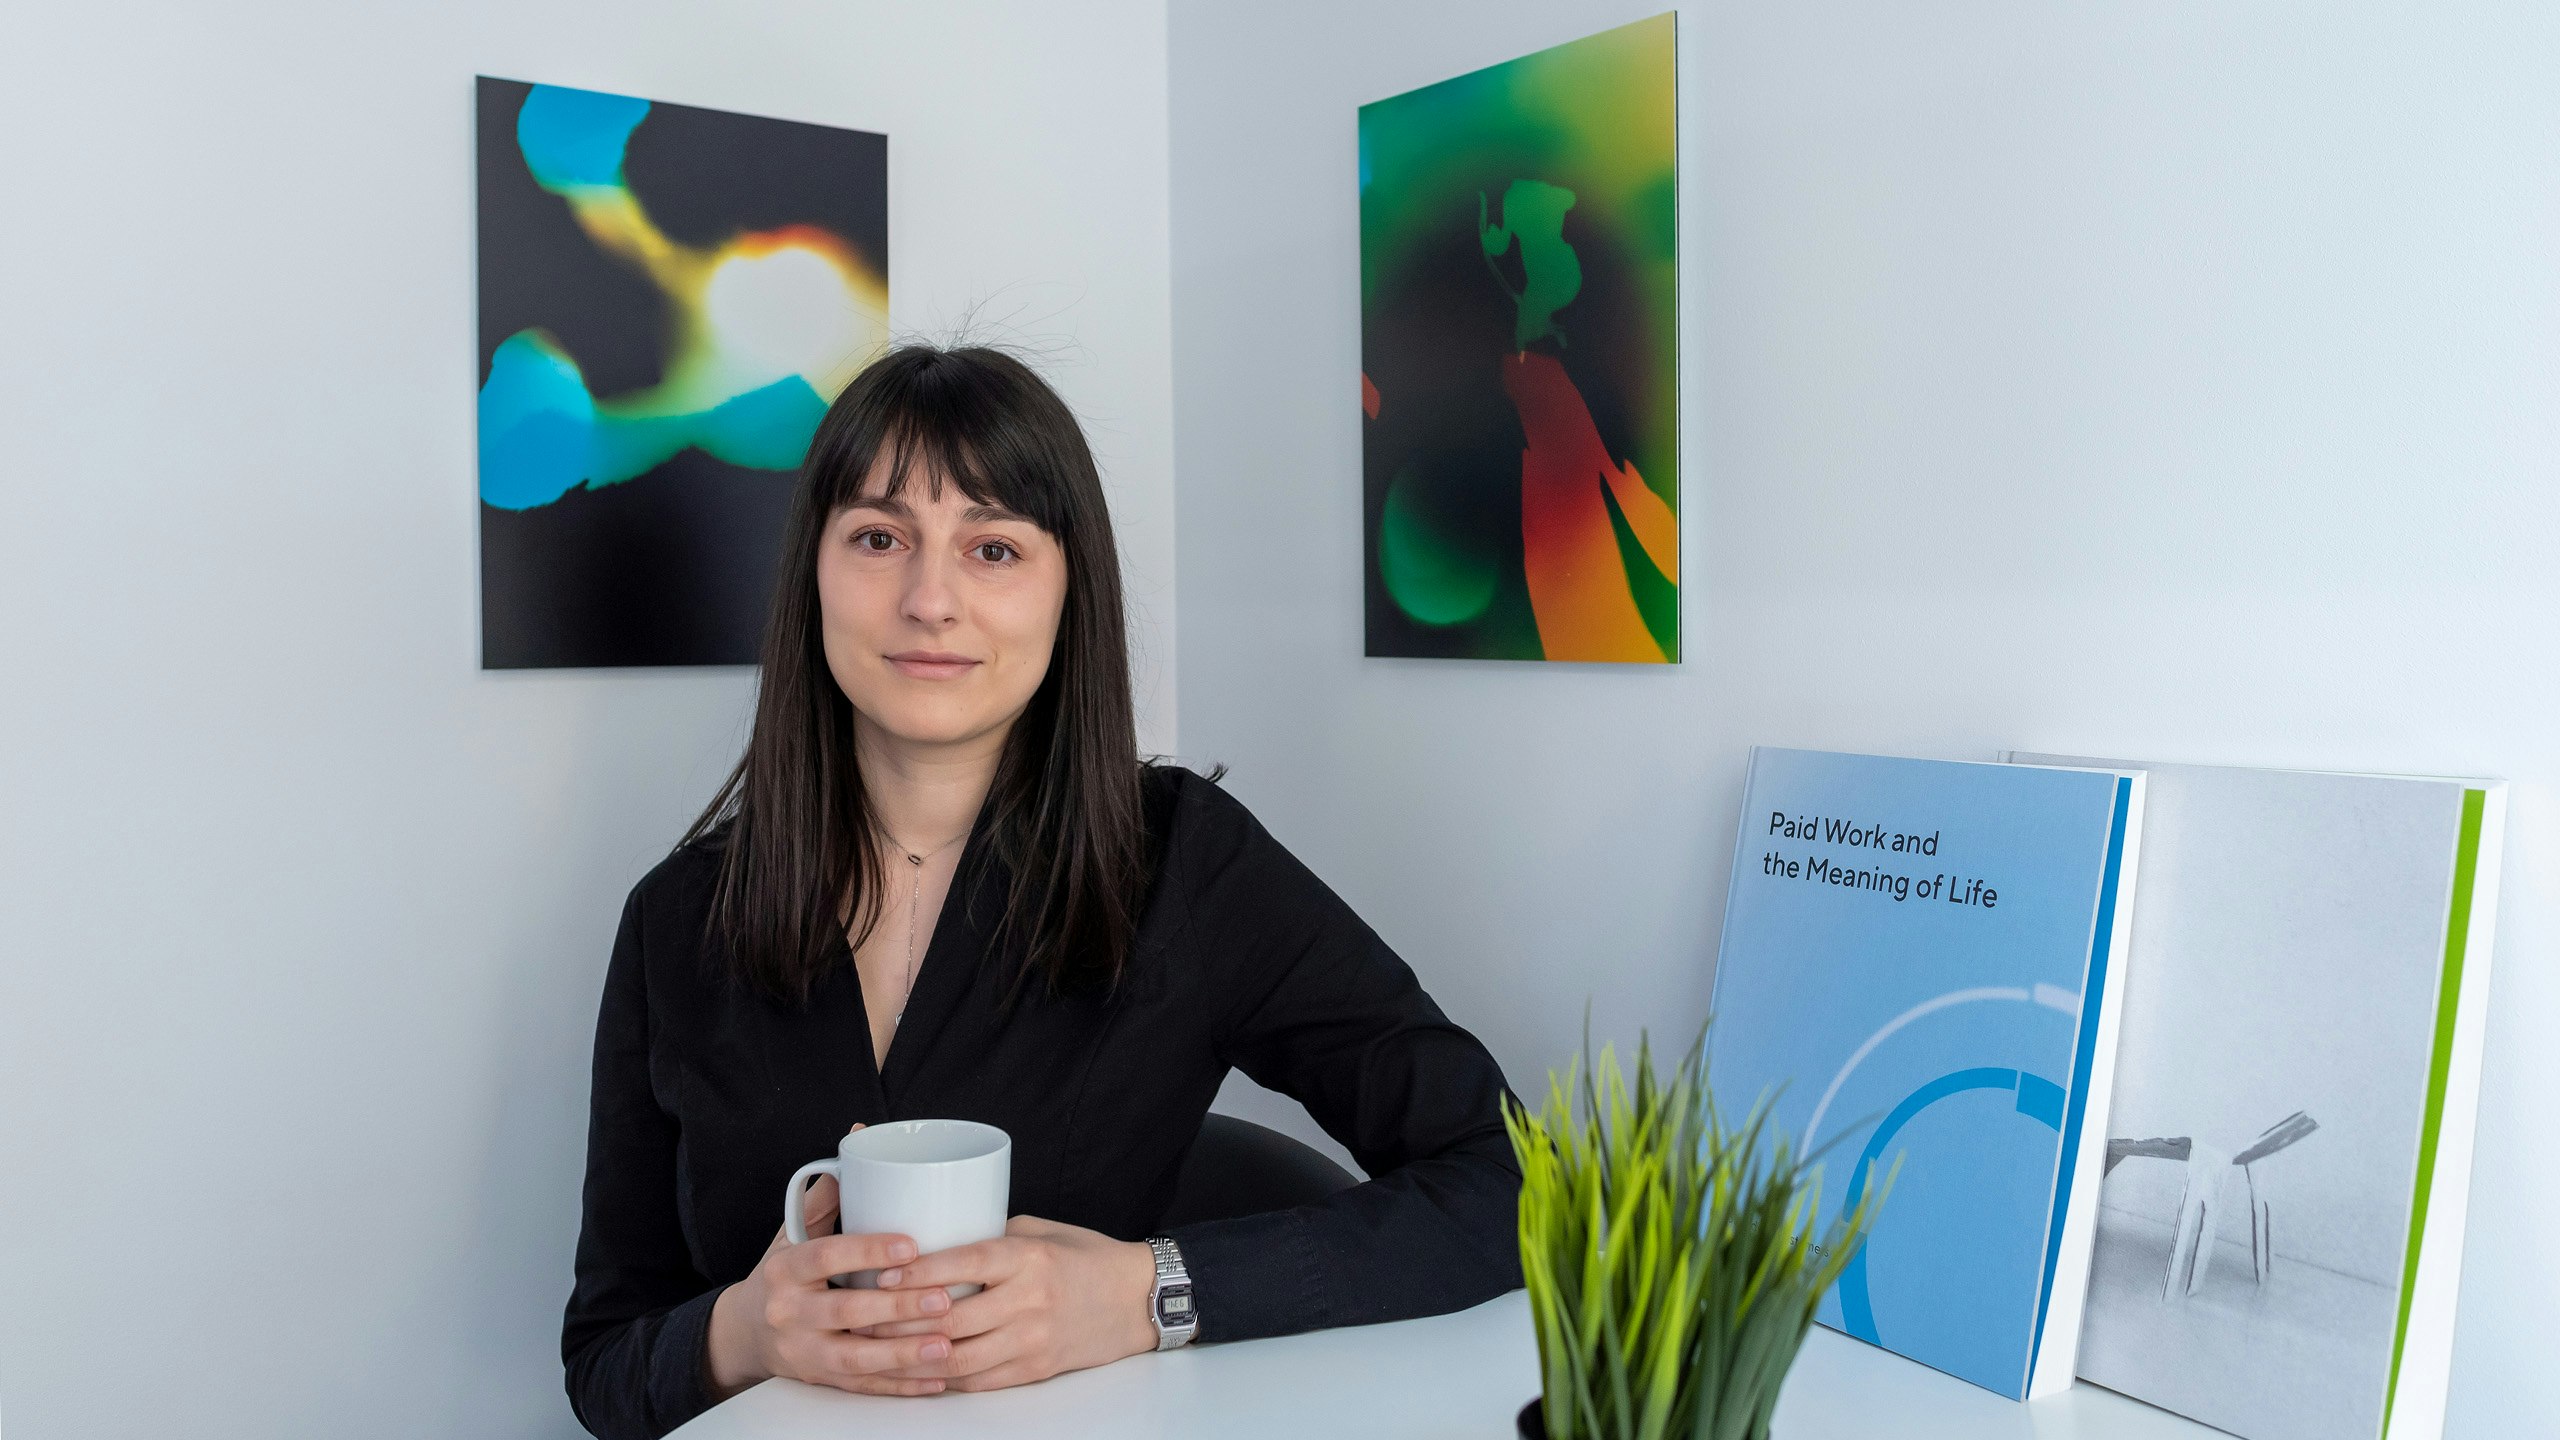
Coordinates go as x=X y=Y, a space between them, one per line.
x=2289 y=1154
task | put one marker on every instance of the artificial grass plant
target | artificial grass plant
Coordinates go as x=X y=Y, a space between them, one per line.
x=1671 y=1258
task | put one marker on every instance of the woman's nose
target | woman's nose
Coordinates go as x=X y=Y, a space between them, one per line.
x=931 y=598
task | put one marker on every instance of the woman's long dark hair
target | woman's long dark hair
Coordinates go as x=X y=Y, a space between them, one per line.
x=1063 y=814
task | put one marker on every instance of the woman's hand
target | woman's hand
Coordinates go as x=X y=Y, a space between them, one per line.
x=784 y=1320
x=1058 y=1298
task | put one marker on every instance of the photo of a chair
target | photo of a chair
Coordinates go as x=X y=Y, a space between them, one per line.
x=2200 y=1204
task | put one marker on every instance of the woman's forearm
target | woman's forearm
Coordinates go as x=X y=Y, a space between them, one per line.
x=731 y=1359
x=643 y=1377
x=1434 y=1236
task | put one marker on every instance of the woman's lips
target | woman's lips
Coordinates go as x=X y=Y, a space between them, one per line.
x=931 y=664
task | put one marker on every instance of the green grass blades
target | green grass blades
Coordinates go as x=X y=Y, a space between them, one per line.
x=1671 y=1258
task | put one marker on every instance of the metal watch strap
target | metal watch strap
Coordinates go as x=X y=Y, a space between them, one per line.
x=1170 y=1305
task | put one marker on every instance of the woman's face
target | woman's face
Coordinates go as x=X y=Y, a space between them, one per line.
x=938 y=613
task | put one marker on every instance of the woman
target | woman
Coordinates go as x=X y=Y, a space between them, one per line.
x=941 y=882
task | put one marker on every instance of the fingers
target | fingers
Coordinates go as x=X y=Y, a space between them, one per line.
x=977 y=1355
x=882 y=1385
x=855 y=1357
x=819 y=1204
x=1054 y=1299
x=827 y=1255
x=976 y=1315
x=984 y=1263
x=940 y=1325
x=880 y=1313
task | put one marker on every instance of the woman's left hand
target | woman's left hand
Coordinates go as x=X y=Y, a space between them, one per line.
x=1057 y=1298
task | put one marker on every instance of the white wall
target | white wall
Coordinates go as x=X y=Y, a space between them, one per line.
x=2170 y=379
x=303 y=917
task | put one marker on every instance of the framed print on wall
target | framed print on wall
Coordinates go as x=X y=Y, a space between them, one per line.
x=1519 y=351
x=669 y=299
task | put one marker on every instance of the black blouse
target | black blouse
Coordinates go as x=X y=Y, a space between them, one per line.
x=707 y=1096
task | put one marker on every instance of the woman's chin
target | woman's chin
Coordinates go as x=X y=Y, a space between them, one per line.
x=938 y=727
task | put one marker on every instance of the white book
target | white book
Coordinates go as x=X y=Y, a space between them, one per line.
x=2298 y=1074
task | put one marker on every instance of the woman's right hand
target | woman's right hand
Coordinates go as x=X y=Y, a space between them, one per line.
x=783 y=1319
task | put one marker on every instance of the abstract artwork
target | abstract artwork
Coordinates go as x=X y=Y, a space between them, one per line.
x=669 y=299
x=1519 y=349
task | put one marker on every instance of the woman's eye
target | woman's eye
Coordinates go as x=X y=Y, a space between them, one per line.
x=878 y=542
x=994 y=552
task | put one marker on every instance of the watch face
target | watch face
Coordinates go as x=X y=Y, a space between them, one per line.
x=1173 y=1305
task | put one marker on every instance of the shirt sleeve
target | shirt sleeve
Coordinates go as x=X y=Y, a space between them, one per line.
x=1326 y=1013
x=633 y=1338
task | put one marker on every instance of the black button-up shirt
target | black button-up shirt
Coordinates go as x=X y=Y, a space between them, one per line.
x=708 y=1095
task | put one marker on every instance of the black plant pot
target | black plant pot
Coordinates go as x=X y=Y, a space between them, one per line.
x=1532 y=1423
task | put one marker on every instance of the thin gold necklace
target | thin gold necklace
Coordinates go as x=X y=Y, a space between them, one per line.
x=915 y=890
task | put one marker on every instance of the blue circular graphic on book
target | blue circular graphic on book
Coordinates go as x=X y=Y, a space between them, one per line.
x=2037 y=1098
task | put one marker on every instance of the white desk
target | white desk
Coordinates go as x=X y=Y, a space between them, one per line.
x=1463 y=1375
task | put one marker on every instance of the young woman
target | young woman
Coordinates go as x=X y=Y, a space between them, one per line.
x=942 y=882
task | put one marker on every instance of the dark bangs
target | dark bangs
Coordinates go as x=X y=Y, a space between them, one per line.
x=958 y=423
x=1063 y=814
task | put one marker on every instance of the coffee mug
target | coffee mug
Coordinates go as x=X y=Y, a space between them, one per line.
x=940 y=1183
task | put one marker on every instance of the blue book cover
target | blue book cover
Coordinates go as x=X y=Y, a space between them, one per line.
x=1917 y=963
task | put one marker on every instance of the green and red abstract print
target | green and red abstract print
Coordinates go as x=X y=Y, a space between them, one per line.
x=1519 y=273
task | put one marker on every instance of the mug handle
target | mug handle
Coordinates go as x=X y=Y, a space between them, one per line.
x=794 y=1224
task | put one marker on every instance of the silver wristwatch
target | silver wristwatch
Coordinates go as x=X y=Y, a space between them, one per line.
x=1169 y=1304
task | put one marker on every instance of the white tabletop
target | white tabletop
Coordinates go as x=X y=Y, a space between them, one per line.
x=1456 y=1375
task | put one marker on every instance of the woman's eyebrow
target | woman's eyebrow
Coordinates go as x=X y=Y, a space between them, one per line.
x=988 y=514
x=888 y=504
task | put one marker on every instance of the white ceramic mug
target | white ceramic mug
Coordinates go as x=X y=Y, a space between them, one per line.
x=940 y=1183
